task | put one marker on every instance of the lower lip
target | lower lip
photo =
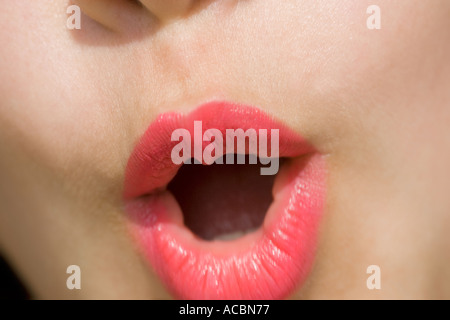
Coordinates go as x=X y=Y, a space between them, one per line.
x=269 y=263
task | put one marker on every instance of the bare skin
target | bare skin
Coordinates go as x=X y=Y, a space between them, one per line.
x=376 y=102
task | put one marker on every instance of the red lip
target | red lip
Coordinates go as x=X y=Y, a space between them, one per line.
x=269 y=263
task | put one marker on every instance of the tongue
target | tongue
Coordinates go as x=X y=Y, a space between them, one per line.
x=222 y=201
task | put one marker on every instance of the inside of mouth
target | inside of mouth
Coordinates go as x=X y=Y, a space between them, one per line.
x=222 y=201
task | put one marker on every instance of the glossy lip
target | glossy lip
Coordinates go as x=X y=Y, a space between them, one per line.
x=269 y=263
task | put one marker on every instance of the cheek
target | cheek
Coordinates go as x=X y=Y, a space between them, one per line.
x=49 y=109
x=361 y=80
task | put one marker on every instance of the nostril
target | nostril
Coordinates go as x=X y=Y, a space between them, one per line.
x=116 y=15
x=166 y=10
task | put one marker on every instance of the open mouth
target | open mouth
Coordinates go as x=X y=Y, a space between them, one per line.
x=225 y=231
x=222 y=202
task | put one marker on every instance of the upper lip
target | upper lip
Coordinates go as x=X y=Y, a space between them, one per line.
x=150 y=166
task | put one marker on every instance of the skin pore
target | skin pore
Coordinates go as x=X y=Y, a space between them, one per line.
x=375 y=102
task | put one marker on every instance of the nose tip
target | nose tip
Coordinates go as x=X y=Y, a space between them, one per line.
x=166 y=10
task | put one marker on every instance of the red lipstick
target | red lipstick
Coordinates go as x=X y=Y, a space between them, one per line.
x=267 y=263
